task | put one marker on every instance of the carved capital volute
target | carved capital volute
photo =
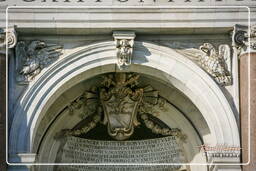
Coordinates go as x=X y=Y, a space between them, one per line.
x=124 y=41
x=244 y=38
x=8 y=36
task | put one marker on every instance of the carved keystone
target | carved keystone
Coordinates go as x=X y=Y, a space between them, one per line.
x=124 y=41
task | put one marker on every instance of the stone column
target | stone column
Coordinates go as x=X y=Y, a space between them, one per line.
x=11 y=41
x=247 y=94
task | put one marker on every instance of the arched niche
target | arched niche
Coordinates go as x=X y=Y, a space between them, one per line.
x=160 y=63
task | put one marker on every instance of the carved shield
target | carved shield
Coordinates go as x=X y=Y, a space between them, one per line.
x=120 y=109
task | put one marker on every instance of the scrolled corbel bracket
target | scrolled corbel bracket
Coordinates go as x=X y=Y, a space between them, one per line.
x=244 y=38
x=124 y=41
x=8 y=37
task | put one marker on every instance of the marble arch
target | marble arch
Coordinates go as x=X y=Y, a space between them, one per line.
x=88 y=61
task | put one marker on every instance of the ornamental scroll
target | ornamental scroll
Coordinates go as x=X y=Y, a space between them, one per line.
x=118 y=103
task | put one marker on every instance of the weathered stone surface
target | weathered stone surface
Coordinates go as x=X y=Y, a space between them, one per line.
x=159 y=150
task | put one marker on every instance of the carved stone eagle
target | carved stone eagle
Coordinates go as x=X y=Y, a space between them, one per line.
x=33 y=57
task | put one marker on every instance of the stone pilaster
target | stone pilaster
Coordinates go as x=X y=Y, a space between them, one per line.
x=2 y=112
x=6 y=37
x=245 y=39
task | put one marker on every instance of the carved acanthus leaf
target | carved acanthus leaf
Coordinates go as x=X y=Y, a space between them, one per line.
x=33 y=57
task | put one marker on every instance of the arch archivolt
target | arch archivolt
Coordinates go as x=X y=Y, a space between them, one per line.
x=208 y=115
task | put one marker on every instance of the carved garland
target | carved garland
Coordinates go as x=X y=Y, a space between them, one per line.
x=119 y=101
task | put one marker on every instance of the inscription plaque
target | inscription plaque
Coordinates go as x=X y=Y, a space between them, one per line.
x=159 y=150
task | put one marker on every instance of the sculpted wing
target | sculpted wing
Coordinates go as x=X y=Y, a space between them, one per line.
x=225 y=54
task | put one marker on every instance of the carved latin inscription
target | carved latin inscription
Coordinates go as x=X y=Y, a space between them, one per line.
x=159 y=150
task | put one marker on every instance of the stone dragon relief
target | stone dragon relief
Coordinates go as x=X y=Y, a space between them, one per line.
x=118 y=103
x=32 y=57
x=216 y=63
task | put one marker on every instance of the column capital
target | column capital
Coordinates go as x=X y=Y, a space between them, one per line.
x=244 y=38
x=7 y=36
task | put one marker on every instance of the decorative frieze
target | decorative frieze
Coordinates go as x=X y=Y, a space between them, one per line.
x=31 y=58
x=124 y=42
x=117 y=103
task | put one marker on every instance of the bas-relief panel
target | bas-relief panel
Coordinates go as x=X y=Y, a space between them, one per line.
x=212 y=57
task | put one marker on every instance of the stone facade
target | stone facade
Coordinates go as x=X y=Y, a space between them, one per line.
x=172 y=70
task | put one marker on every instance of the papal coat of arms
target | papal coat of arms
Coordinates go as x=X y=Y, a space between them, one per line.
x=117 y=103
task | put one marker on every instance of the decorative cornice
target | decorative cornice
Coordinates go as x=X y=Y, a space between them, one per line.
x=244 y=38
x=124 y=42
